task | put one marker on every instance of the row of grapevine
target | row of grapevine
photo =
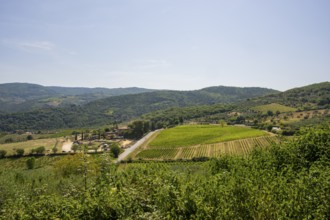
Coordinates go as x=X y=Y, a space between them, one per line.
x=188 y=153
x=158 y=153
x=237 y=147
x=202 y=151
x=241 y=147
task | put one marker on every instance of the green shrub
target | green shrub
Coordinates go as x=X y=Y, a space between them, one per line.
x=20 y=152
x=55 y=150
x=30 y=163
x=3 y=153
x=75 y=147
x=40 y=150
x=115 y=150
x=289 y=180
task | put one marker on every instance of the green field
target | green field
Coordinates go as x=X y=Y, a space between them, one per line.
x=23 y=137
x=191 y=135
x=240 y=147
x=29 y=145
x=274 y=107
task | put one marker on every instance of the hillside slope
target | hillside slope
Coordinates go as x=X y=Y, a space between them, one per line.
x=124 y=108
x=289 y=110
x=304 y=98
x=19 y=97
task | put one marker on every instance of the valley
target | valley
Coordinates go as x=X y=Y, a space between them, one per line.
x=157 y=155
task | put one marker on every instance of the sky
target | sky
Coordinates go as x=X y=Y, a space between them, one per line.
x=165 y=44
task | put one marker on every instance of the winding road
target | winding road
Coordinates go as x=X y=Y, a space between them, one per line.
x=134 y=146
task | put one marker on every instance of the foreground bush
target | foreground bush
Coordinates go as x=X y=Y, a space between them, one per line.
x=2 y=153
x=287 y=181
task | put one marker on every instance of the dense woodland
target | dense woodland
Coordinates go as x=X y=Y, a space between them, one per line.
x=23 y=97
x=164 y=109
x=305 y=98
x=122 y=108
x=289 y=180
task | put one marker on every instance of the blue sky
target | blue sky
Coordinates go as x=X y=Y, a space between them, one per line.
x=165 y=44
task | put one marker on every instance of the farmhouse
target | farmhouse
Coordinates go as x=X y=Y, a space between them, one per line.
x=276 y=129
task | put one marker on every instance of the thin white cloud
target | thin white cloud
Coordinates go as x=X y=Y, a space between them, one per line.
x=42 y=45
x=30 y=45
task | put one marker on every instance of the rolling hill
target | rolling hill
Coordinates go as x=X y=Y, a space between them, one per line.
x=303 y=98
x=167 y=108
x=21 y=97
x=124 y=108
x=289 y=110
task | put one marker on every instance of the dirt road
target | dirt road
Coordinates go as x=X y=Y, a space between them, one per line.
x=67 y=146
x=134 y=146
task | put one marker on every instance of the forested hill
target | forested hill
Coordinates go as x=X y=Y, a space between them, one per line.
x=304 y=98
x=238 y=93
x=129 y=106
x=124 y=108
x=262 y=112
x=106 y=91
x=19 y=97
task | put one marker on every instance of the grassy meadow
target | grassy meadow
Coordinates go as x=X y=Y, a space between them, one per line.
x=29 y=145
x=274 y=107
x=190 y=135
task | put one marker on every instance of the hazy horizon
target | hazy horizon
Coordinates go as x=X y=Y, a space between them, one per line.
x=165 y=44
x=100 y=87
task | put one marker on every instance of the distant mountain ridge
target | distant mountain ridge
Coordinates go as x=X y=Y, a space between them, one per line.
x=20 y=97
x=123 y=108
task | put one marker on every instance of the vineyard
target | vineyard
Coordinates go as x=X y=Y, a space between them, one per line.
x=193 y=135
x=237 y=147
x=288 y=180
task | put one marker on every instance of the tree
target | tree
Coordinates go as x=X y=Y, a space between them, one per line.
x=270 y=113
x=75 y=133
x=33 y=151
x=40 y=150
x=29 y=137
x=115 y=150
x=222 y=123
x=19 y=152
x=55 y=149
x=138 y=128
x=9 y=140
x=2 y=153
x=240 y=120
x=75 y=147
x=30 y=163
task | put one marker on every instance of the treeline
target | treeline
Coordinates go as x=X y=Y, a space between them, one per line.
x=175 y=116
x=286 y=181
x=52 y=118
